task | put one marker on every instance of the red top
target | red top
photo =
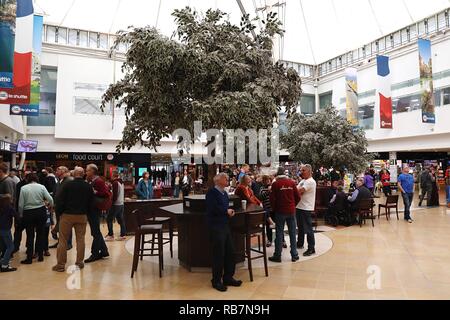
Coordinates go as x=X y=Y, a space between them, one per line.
x=246 y=193
x=284 y=196
x=100 y=187
x=385 y=179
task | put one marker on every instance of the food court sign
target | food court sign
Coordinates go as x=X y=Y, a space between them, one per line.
x=82 y=156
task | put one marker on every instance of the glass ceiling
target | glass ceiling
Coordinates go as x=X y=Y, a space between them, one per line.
x=316 y=30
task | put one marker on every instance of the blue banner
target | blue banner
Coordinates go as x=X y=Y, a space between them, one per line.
x=24 y=110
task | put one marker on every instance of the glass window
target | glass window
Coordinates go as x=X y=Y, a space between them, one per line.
x=437 y=97
x=103 y=41
x=446 y=96
x=83 y=39
x=93 y=40
x=397 y=39
x=421 y=30
x=51 y=34
x=307 y=104
x=343 y=113
x=325 y=100
x=73 y=37
x=282 y=117
x=365 y=116
x=407 y=103
x=62 y=35
x=47 y=104
x=432 y=24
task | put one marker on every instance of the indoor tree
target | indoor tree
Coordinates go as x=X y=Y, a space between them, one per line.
x=326 y=139
x=210 y=70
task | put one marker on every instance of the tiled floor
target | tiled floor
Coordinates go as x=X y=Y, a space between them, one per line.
x=413 y=260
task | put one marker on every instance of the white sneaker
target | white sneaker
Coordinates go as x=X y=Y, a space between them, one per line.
x=410 y=220
x=109 y=238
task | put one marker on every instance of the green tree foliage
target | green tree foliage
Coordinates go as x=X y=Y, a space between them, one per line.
x=214 y=72
x=326 y=139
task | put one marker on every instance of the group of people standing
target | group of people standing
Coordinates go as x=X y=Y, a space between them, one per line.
x=284 y=202
x=145 y=186
x=75 y=198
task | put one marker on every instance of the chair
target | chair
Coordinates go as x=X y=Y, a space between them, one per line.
x=391 y=202
x=142 y=230
x=167 y=224
x=365 y=211
x=255 y=225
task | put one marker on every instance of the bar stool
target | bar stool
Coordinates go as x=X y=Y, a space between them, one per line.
x=167 y=223
x=139 y=241
x=254 y=225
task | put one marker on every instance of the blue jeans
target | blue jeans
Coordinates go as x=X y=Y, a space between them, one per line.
x=407 y=201
x=304 y=222
x=6 y=238
x=280 y=220
x=116 y=211
x=447 y=191
x=176 y=191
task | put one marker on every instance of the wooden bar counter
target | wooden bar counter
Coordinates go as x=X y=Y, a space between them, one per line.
x=194 y=251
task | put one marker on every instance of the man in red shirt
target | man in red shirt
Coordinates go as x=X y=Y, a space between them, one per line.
x=99 y=249
x=283 y=199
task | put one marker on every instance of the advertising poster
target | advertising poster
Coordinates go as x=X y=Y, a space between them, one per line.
x=19 y=93
x=7 y=34
x=384 y=99
x=426 y=81
x=351 y=89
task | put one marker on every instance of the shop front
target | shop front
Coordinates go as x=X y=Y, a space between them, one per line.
x=7 y=151
x=129 y=165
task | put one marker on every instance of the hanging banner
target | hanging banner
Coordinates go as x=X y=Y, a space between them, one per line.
x=35 y=91
x=384 y=99
x=7 y=33
x=426 y=81
x=351 y=89
x=23 y=47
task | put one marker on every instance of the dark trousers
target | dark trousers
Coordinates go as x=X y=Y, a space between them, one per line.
x=98 y=247
x=280 y=220
x=304 y=224
x=116 y=211
x=407 y=200
x=18 y=231
x=387 y=190
x=223 y=261
x=425 y=193
x=34 y=221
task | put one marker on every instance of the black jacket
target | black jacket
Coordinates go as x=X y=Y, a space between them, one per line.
x=76 y=197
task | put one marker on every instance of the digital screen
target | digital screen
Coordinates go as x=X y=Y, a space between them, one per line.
x=27 y=146
x=141 y=171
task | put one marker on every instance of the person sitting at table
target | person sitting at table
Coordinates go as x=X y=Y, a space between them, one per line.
x=245 y=192
x=218 y=215
x=360 y=193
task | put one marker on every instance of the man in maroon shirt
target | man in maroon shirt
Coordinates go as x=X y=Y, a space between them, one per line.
x=283 y=199
x=99 y=249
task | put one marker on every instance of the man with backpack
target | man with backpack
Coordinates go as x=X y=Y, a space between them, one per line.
x=102 y=201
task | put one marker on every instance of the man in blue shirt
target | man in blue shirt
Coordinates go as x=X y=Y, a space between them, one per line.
x=406 y=186
x=217 y=214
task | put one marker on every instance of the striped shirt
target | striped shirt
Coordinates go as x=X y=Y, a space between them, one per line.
x=264 y=196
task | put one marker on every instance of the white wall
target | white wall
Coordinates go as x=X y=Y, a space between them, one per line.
x=408 y=133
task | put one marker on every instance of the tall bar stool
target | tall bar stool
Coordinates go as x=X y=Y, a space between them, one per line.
x=167 y=223
x=156 y=230
x=254 y=225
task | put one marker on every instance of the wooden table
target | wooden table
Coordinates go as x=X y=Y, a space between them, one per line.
x=194 y=251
